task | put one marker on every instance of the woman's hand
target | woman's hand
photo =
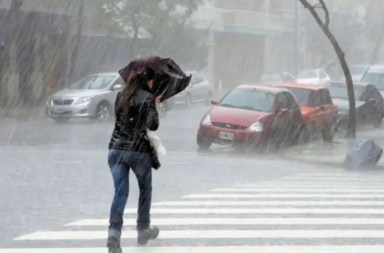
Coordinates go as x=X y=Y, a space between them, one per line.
x=157 y=100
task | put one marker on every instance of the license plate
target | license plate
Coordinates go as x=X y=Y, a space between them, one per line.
x=226 y=136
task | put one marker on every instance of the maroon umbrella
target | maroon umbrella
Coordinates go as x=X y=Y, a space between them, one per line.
x=170 y=79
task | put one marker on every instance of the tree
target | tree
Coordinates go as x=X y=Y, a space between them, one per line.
x=324 y=25
x=160 y=27
x=347 y=26
x=79 y=33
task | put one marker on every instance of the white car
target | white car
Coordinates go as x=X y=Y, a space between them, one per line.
x=198 y=91
x=313 y=76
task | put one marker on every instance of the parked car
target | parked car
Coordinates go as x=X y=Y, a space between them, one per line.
x=252 y=115
x=277 y=78
x=198 y=91
x=357 y=72
x=91 y=97
x=375 y=75
x=317 y=108
x=313 y=76
x=369 y=104
x=165 y=106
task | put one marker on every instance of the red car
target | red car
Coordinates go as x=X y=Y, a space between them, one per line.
x=252 y=115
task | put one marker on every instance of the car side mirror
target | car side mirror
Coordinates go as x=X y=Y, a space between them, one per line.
x=117 y=87
x=214 y=102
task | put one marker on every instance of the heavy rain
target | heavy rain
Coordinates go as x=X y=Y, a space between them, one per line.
x=225 y=125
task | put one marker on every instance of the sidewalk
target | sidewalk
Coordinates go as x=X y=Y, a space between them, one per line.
x=30 y=113
x=332 y=154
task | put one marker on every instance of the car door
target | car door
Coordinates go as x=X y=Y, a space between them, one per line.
x=113 y=94
x=296 y=119
x=326 y=111
x=281 y=123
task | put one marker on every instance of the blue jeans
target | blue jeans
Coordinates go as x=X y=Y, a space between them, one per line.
x=120 y=162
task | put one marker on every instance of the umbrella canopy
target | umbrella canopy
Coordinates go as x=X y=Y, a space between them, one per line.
x=169 y=79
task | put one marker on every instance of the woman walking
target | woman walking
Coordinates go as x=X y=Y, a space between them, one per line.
x=129 y=148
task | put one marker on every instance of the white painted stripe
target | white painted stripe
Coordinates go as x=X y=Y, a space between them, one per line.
x=256 y=196
x=376 y=180
x=316 y=184
x=207 y=234
x=263 y=189
x=271 y=203
x=340 y=175
x=238 y=221
x=222 y=249
x=312 y=186
x=261 y=211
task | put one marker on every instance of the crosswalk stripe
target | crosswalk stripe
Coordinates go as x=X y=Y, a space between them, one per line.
x=220 y=249
x=269 y=196
x=293 y=186
x=376 y=180
x=264 y=189
x=261 y=211
x=207 y=234
x=316 y=185
x=238 y=221
x=271 y=203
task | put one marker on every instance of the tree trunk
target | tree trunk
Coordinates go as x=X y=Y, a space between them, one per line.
x=76 y=49
x=351 y=129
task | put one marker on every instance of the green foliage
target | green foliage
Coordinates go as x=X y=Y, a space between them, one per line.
x=160 y=27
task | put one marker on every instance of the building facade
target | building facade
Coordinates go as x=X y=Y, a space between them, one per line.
x=248 y=38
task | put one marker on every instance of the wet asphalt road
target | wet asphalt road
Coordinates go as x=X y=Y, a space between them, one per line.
x=52 y=175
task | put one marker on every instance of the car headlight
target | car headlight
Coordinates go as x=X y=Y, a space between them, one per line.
x=83 y=100
x=256 y=127
x=207 y=120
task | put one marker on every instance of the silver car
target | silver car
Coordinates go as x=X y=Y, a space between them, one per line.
x=91 y=97
x=198 y=91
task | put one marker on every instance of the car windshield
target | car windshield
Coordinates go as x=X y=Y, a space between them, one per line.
x=341 y=92
x=376 y=79
x=304 y=97
x=357 y=69
x=270 y=77
x=93 y=82
x=252 y=100
x=307 y=74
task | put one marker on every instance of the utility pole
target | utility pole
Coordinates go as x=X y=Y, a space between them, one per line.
x=296 y=39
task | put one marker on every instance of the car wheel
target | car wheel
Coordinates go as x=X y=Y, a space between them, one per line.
x=208 y=99
x=188 y=101
x=203 y=143
x=327 y=134
x=103 y=112
x=61 y=120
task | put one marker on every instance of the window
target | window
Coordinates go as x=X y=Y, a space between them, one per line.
x=304 y=97
x=93 y=82
x=197 y=79
x=253 y=100
x=307 y=74
x=339 y=91
x=376 y=79
x=282 y=102
x=323 y=97
x=291 y=100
